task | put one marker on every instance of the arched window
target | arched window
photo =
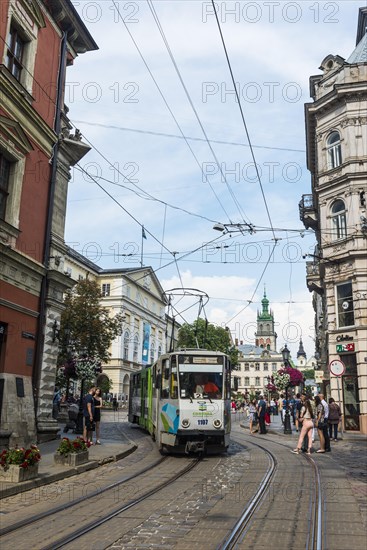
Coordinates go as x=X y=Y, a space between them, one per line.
x=338 y=216
x=159 y=350
x=136 y=348
x=334 y=150
x=126 y=344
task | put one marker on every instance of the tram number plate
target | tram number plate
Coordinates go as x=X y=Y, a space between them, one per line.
x=202 y=422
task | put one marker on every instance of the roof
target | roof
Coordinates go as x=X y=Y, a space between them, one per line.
x=359 y=55
x=247 y=349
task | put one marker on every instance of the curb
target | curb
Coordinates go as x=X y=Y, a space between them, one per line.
x=46 y=479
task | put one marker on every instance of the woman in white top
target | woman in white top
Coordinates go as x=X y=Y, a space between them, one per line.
x=306 y=419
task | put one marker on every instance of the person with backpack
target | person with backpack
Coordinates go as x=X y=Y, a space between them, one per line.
x=334 y=418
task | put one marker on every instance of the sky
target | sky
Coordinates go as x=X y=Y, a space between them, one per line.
x=171 y=151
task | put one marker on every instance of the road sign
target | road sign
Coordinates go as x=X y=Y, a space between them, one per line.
x=337 y=367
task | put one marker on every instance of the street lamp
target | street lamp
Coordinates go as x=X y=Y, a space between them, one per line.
x=287 y=419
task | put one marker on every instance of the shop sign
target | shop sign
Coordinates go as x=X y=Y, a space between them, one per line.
x=344 y=338
x=342 y=348
x=319 y=376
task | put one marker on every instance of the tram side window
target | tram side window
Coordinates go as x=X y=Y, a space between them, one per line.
x=165 y=380
x=174 y=385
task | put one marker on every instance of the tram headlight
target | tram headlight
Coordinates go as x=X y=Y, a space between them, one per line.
x=217 y=423
x=185 y=423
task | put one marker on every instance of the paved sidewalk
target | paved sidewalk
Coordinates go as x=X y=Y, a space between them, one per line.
x=109 y=451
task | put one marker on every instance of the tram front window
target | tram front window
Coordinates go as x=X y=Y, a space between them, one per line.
x=200 y=385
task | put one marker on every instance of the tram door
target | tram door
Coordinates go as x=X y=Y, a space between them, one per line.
x=351 y=394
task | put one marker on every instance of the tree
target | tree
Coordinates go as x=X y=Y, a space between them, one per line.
x=201 y=334
x=86 y=332
x=309 y=374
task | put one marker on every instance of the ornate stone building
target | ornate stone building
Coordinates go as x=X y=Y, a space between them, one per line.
x=39 y=39
x=336 y=135
x=257 y=363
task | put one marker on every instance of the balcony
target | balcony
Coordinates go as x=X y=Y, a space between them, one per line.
x=314 y=275
x=307 y=212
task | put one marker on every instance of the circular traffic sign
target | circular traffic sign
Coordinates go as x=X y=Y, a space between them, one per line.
x=337 y=367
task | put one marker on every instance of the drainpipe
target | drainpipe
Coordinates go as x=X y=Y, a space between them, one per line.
x=46 y=254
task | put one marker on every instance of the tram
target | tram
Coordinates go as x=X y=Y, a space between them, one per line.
x=184 y=401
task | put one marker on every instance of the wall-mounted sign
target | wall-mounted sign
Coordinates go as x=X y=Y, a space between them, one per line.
x=344 y=338
x=319 y=376
x=342 y=348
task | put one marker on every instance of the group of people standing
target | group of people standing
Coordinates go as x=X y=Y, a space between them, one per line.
x=325 y=417
x=259 y=414
x=92 y=406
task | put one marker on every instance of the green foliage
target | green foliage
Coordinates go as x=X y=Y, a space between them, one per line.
x=68 y=446
x=201 y=334
x=309 y=374
x=86 y=330
x=104 y=383
x=20 y=457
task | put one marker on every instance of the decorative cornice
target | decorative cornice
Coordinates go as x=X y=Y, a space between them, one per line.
x=13 y=131
x=19 y=308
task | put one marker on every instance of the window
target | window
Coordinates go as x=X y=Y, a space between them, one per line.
x=345 y=304
x=257 y=381
x=15 y=52
x=247 y=366
x=266 y=366
x=152 y=352
x=338 y=216
x=274 y=367
x=334 y=151
x=106 y=289
x=4 y=184
x=247 y=381
x=136 y=348
x=257 y=366
x=126 y=344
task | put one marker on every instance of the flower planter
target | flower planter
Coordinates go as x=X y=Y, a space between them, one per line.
x=71 y=459
x=15 y=474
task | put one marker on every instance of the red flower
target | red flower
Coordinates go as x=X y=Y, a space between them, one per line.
x=24 y=464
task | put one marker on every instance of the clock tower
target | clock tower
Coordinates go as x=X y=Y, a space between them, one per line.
x=265 y=334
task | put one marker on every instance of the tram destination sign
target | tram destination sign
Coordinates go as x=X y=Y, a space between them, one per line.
x=342 y=348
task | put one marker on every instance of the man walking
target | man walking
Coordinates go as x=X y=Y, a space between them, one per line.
x=261 y=410
x=325 y=429
x=88 y=413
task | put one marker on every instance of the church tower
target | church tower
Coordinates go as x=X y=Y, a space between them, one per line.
x=301 y=355
x=265 y=334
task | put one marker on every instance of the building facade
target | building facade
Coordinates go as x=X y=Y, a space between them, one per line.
x=146 y=330
x=336 y=135
x=39 y=39
x=258 y=363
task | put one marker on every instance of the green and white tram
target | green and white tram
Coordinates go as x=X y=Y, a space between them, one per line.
x=184 y=400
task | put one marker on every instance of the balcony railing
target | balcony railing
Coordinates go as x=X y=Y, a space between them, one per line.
x=307 y=212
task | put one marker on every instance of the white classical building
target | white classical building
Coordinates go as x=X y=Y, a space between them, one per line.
x=146 y=330
x=336 y=135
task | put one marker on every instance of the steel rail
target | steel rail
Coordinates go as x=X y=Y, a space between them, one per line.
x=60 y=543
x=33 y=519
x=315 y=540
x=254 y=503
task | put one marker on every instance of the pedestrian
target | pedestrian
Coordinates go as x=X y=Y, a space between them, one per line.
x=267 y=415
x=252 y=417
x=298 y=406
x=261 y=410
x=56 y=403
x=114 y=404
x=88 y=413
x=326 y=423
x=335 y=416
x=280 y=407
x=98 y=401
x=320 y=421
x=306 y=420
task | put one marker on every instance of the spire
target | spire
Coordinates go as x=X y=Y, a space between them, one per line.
x=301 y=352
x=265 y=304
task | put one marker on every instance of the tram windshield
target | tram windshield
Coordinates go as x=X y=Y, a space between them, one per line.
x=199 y=384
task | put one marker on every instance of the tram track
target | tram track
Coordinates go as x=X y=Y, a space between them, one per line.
x=36 y=523
x=315 y=536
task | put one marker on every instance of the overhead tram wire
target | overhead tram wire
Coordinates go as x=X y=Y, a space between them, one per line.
x=164 y=38
x=148 y=195
x=169 y=108
x=190 y=138
x=243 y=118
